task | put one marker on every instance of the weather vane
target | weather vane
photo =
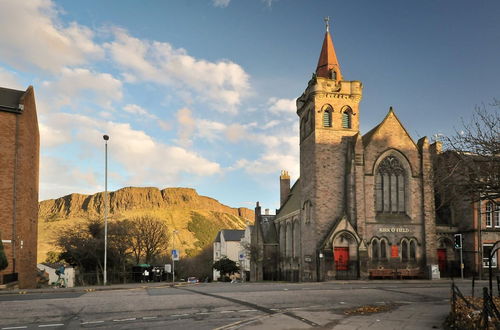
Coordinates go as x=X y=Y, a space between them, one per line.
x=327 y=22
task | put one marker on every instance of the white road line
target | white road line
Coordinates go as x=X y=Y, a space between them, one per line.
x=247 y=310
x=123 y=320
x=227 y=312
x=179 y=315
x=92 y=322
x=149 y=317
x=21 y=327
x=203 y=313
x=50 y=325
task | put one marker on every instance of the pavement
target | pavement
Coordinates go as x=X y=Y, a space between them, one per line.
x=409 y=315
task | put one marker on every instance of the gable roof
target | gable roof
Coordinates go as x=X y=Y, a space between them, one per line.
x=232 y=234
x=368 y=137
x=292 y=204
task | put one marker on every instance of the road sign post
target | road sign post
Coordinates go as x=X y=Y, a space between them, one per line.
x=459 y=246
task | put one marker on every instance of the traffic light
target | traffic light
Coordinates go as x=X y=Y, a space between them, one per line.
x=458 y=241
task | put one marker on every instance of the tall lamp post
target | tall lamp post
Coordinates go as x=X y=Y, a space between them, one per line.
x=106 y=138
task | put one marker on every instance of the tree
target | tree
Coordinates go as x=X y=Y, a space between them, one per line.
x=471 y=165
x=226 y=266
x=149 y=238
x=3 y=258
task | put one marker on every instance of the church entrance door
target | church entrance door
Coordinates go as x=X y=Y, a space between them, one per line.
x=442 y=260
x=341 y=258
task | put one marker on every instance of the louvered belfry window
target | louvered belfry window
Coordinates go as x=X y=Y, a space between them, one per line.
x=346 y=119
x=390 y=187
x=327 y=117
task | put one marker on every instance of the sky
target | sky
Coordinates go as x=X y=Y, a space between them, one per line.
x=202 y=93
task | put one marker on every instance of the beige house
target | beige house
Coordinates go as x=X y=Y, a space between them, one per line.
x=227 y=244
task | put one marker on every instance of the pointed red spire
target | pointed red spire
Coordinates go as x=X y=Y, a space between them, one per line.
x=328 y=65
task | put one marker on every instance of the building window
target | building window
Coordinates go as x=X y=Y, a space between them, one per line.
x=390 y=187
x=404 y=250
x=486 y=252
x=375 y=248
x=496 y=216
x=413 y=250
x=347 y=118
x=327 y=119
x=383 y=250
x=489 y=213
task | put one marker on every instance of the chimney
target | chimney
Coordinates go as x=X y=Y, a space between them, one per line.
x=267 y=212
x=284 y=187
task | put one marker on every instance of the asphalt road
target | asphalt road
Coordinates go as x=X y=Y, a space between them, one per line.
x=232 y=306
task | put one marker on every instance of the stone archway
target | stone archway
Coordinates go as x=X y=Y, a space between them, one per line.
x=345 y=254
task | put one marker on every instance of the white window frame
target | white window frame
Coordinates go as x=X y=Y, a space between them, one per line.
x=489 y=214
x=493 y=259
x=496 y=216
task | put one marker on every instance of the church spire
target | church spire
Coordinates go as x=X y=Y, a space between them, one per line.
x=328 y=65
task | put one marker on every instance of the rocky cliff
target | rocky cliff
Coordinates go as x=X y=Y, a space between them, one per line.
x=180 y=208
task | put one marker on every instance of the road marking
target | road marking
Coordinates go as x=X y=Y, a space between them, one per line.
x=50 y=325
x=175 y=315
x=227 y=311
x=123 y=320
x=92 y=322
x=247 y=310
x=149 y=317
x=21 y=327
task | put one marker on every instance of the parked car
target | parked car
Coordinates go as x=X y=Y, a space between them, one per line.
x=192 y=280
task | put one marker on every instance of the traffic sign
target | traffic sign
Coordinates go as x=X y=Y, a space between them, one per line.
x=175 y=255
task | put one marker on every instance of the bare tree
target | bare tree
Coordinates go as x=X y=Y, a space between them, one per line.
x=149 y=238
x=471 y=165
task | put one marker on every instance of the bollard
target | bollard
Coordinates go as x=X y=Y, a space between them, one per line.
x=473 y=284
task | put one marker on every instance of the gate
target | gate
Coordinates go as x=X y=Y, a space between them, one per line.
x=345 y=269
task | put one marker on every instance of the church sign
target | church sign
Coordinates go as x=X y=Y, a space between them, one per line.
x=394 y=230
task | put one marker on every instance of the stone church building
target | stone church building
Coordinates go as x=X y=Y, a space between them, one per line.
x=364 y=203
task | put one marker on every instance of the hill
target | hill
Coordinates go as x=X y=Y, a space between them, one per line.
x=197 y=218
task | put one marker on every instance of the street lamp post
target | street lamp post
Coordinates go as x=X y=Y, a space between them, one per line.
x=106 y=138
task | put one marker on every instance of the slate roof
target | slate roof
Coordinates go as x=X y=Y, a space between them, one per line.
x=292 y=204
x=10 y=99
x=232 y=234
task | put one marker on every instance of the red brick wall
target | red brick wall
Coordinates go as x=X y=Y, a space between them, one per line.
x=24 y=241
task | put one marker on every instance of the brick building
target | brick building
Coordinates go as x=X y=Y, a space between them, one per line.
x=364 y=203
x=19 y=162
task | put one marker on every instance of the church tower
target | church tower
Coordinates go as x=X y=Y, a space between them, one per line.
x=329 y=118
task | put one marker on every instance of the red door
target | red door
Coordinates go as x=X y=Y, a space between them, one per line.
x=341 y=258
x=442 y=260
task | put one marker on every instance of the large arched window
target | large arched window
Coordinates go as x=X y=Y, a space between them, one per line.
x=413 y=250
x=296 y=238
x=289 y=240
x=390 y=190
x=347 y=118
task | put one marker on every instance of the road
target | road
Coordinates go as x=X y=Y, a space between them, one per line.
x=415 y=305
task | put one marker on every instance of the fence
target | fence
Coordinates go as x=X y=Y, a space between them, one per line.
x=473 y=313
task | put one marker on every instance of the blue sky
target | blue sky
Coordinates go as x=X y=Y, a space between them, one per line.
x=201 y=93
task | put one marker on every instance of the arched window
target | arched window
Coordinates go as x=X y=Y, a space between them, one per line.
x=289 y=240
x=327 y=118
x=489 y=213
x=296 y=238
x=390 y=187
x=347 y=118
x=404 y=250
x=383 y=250
x=375 y=248
x=282 y=240
x=413 y=250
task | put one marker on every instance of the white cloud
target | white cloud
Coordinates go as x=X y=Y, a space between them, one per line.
x=9 y=79
x=279 y=106
x=71 y=84
x=187 y=126
x=143 y=160
x=221 y=3
x=223 y=84
x=32 y=36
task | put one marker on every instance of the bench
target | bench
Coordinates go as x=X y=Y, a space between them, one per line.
x=410 y=273
x=381 y=273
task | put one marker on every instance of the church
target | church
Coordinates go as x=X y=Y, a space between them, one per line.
x=364 y=203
